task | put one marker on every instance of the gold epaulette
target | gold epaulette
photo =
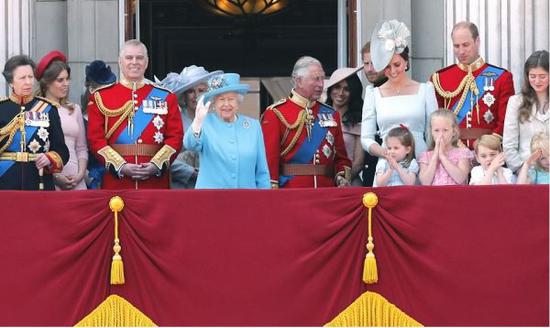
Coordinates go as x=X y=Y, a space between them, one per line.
x=156 y=86
x=104 y=86
x=48 y=101
x=277 y=103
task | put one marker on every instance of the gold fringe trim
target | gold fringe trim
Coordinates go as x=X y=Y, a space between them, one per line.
x=370 y=269
x=115 y=311
x=372 y=310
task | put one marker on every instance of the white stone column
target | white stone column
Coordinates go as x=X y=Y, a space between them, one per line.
x=15 y=33
x=510 y=30
x=93 y=33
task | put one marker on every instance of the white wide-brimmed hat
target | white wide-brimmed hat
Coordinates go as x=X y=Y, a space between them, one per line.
x=341 y=74
x=189 y=77
x=223 y=83
x=388 y=38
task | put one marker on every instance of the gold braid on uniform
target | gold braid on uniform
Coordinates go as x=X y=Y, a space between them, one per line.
x=9 y=131
x=299 y=123
x=468 y=83
x=124 y=111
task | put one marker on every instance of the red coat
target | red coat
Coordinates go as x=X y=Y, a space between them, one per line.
x=280 y=126
x=491 y=109
x=159 y=141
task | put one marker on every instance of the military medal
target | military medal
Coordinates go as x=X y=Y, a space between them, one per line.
x=34 y=146
x=159 y=137
x=327 y=151
x=488 y=116
x=489 y=99
x=330 y=138
x=158 y=122
x=43 y=134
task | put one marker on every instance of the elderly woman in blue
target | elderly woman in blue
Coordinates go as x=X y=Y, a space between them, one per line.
x=230 y=145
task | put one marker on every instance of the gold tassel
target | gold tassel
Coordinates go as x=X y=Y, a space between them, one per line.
x=117 y=266
x=370 y=269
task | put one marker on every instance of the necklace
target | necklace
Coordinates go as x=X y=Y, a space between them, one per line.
x=396 y=90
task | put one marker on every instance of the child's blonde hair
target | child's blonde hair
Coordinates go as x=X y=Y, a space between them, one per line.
x=540 y=141
x=489 y=141
x=406 y=138
x=445 y=113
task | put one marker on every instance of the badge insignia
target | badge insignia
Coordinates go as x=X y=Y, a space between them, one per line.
x=488 y=116
x=34 y=146
x=327 y=151
x=43 y=134
x=155 y=106
x=330 y=138
x=47 y=146
x=37 y=119
x=159 y=137
x=246 y=124
x=489 y=99
x=158 y=122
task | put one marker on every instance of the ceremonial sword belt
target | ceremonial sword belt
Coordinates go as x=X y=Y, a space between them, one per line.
x=18 y=156
x=307 y=169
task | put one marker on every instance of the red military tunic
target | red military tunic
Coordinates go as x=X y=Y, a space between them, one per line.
x=486 y=116
x=285 y=129
x=115 y=141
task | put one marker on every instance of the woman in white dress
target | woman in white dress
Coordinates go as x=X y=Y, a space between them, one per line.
x=400 y=100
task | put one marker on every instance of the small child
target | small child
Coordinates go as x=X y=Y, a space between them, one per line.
x=539 y=159
x=399 y=167
x=488 y=152
x=445 y=163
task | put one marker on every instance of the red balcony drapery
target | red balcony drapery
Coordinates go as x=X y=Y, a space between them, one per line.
x=446 y=255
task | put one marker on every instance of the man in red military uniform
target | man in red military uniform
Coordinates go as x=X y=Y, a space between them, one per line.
x=134 y=127
x=474 y=90
x=303 y=137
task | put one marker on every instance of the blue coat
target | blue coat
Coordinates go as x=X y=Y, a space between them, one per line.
x=232 y=155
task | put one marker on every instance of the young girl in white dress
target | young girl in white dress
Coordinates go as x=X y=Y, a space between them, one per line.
x=489 y=155
x=399 y=167
x=446 y=163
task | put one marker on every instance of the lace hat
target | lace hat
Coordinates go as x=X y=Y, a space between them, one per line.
x=228 y=82
x=388 y=38
x=189 y=77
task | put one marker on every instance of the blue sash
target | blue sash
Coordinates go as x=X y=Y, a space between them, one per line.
x=304 y=154
x=29 y=130
x=480 y=82
x=141 y=119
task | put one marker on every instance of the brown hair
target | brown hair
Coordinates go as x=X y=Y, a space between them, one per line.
x=528 y=95
x=489 y=141
x=469 y=25
x=51 y=73
x=13 y=63
x=406 y=138
x=452 y=118
x=365 y=49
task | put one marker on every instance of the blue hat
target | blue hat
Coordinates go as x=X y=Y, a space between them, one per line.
x=223 y=83
x=99 y=72
x=188 y=78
